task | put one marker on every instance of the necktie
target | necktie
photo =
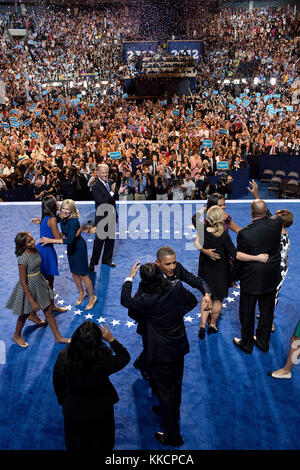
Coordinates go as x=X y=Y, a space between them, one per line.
x=107 y=187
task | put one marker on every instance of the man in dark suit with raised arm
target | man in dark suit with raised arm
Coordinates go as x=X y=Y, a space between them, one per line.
x=258 y=281
x=162 y=304
x=172 y=269
x=105 y=196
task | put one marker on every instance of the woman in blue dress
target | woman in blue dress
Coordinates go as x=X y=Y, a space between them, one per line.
x=76 y=250
x=49 y=228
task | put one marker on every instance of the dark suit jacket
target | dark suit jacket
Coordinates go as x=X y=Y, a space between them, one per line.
x=260 y=236
x=166 y=335
x=85 y=397
x=183 y=275
x=101 y=195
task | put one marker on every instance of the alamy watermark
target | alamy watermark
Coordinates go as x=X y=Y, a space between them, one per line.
x=2 y=352
x=150 y=222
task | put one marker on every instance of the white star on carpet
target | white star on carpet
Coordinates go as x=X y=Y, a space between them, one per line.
x=68 y=307
x=230 y=299
x=90 y=240
x=199 y=315
x=129 y=323
x=88 y=316
x=61 y=302
x=101 y=320
x=224 y=305
x=56 y=296
x=61 y=256
x=78 y=312
x=236 y=293
x=189 y=319
x=115 y=322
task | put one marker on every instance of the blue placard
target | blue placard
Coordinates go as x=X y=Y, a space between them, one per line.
x=222 y=166
x=207 y=143
x=115 y=155
x=192 y=48
x=139 y=47
x=223 y=131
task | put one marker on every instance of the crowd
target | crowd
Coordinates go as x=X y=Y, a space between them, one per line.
x=64 y=110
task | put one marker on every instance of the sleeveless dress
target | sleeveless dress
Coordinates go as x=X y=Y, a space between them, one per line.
x=217 y=273
x=49 y=266
x=284 y=248
x=76 y=247
x=38 y=286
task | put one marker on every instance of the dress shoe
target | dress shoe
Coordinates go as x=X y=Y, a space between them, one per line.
x=80 y=299
x=91 y=268
x=276 y=375
x=110 y=264
x=260 y=346
x=91 y=305
x=160 y=437
x=240 y=345
x=35 y=319
x=212 y=329
x=20 y=342
x=201 y=333
x=59 y=309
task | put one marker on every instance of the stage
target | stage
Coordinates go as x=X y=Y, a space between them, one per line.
x=228 y=400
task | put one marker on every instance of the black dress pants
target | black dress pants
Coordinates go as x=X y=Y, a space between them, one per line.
x=167 y=379
x=266 y=304
x=107 y=253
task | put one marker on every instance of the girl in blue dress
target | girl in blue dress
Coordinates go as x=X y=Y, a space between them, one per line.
x=76 y=250
x=49 y=228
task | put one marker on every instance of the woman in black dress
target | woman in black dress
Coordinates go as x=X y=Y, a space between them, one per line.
x=82 y=386
x=216 y=271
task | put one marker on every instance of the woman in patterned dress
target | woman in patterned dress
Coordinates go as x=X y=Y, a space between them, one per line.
x=285 y=246
x=32 y=292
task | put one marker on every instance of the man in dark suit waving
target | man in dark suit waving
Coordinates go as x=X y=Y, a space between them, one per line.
x=258 y=281
x=172 y=270
x=105 y=196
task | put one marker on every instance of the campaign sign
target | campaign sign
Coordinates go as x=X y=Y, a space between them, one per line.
x=115 y=155
x=192 y=48
x=138 y=47
x=222 y=166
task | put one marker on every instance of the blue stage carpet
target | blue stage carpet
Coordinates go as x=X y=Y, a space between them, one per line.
x=228 y=400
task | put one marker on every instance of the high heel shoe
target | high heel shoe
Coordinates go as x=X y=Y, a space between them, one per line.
x=80 y=298
x=212 y=329
x=92 y=305
x=201 y=334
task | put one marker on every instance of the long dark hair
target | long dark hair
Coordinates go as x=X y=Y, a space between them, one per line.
x=213 y=200
x=49 y=207
x=86 y=349
x=20 y=242
x=153 y=280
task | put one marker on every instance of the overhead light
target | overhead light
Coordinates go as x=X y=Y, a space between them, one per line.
x=273 y=81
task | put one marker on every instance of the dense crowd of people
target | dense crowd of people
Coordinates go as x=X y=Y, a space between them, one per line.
x=64 y=110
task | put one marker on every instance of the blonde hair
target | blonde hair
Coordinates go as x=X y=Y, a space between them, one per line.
x=215 y=218
x=72 y=206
